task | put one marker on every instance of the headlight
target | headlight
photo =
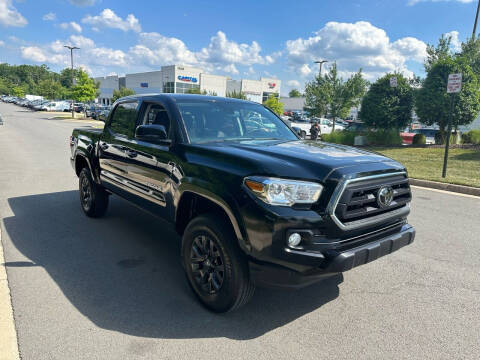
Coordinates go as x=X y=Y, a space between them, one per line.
x=284 y=192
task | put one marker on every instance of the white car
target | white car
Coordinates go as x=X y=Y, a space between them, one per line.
x=304 y=125
x=55 y=106
x=325 y=126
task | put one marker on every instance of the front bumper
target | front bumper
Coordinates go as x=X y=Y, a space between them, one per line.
x=330 y=262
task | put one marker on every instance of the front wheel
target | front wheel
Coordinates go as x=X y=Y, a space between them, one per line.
x=216 y=269
x=93 y=197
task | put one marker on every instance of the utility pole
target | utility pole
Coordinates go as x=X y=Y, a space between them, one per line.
x=320 y=63
x=71 y=61
x=476 y=21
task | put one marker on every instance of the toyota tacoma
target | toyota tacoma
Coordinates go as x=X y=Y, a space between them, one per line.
x=252 y=202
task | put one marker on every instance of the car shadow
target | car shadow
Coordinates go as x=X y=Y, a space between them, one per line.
x=470 y=156
x=123 y=272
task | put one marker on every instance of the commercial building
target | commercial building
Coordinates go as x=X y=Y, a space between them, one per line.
x=181 y=79
x=293 y=103
x=107 y=85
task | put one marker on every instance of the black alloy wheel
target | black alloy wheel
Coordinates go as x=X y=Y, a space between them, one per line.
x=86 y=194
x=93 y=197
x=207 y=264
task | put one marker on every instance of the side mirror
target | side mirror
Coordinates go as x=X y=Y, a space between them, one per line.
x=297 y=130
x=151 y=133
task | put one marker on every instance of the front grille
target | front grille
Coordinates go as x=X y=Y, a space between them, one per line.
x=359 y=200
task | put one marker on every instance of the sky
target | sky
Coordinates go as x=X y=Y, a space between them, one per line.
x=240 y=39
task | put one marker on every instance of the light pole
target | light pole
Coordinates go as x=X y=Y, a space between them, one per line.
x=476 y=21
x=320 y=62
x=71 y=61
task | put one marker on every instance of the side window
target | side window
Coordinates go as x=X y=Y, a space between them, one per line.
x=124 y=119
x=157 y=115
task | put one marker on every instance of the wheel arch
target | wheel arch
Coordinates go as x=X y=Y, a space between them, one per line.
x=195 y=201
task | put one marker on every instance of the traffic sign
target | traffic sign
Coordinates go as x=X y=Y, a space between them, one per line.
x=393 y=81
x=454 y=83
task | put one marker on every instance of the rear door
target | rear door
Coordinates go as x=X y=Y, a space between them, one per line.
x=115 y=143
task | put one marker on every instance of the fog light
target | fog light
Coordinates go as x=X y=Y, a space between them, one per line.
x=294 y=239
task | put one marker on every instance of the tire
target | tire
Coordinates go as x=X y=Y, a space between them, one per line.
x=303 y=134
x=216 y=269
x=93 y=197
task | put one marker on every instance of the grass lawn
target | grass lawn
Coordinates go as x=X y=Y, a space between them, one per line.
x=426 y=163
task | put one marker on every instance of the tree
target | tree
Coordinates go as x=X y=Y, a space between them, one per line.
x=19 y=91
x=50 y=89
x=388 y=107
x=197 y=91
x=85 y=89
x=433 y=103
x=236 y=95
x=65 y=76
x=275 y=105
x=123 y=91
x=440 y=52
x=333 y=93
x=317 y=96
x=294 y=93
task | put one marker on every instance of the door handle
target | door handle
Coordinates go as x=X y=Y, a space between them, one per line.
x=104 y=146
x=131 y=153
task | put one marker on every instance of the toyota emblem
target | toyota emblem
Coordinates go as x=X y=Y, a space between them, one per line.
x=385 y=196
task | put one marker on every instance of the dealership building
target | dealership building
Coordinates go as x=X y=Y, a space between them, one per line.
x=180 y=79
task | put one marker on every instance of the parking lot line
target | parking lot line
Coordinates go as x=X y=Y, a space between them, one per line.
x=446 y=192
x=8 y=344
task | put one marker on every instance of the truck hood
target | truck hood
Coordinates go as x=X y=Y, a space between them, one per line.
x=300 y=159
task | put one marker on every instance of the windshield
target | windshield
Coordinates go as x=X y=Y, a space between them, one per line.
x=214 y=120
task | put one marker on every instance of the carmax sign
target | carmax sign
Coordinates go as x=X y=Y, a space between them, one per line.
x=187 y=78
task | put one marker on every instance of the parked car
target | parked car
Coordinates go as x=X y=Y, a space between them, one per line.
x=429 y=135
x=356 y=126
x=252 y=207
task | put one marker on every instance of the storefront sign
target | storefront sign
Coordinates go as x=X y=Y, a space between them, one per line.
x=187 y=78
x=272 y=85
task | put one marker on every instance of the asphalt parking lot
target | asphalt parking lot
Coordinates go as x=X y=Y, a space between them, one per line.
x=114 y=288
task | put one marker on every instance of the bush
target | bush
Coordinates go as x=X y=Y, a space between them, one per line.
x=440 y=138
x=340 y=137
x=419 y=139
x=471 y=137
x=390 y=137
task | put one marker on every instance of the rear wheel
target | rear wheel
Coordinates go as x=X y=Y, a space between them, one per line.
x=216 y=269
x=93 y=197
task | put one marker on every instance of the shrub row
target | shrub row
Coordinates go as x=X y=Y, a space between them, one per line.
x=379 y=137
x=471 y=137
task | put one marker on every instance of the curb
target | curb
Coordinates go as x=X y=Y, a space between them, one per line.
x=445 y=186
x=9 y=344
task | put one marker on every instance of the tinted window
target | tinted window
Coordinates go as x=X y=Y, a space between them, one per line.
x=124 y=119
x=231 y=121
x=157 y=115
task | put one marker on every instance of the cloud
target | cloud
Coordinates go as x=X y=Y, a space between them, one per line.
x=72 y=25
x=221 y=51
x=107 y=18
x=455 y=42
x=354 y=46
x=414 y=2
x=293 y=83
x=2 y=43
x=33 y=53
x=83 y=2
x=151 y=51
x=49 y=16
x=9 y=15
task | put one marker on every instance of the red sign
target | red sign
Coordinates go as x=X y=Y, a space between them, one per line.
x=271 y=85
x=454 y=83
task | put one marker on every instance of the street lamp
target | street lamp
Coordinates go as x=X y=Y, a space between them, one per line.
x=71 y=61
x=320 y=62
x=476 y=21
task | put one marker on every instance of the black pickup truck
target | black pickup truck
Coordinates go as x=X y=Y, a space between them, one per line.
x=254 y=204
